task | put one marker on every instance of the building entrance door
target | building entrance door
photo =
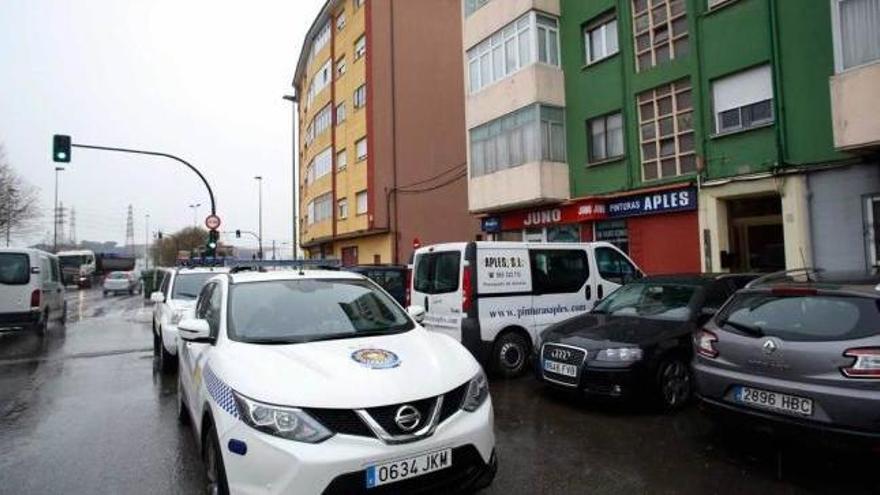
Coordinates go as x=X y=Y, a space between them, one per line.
x=757 y=240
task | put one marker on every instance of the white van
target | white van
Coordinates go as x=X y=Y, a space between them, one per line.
x=497 y=297
x=31 y=290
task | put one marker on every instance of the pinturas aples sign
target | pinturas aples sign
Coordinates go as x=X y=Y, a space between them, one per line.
x=649 y=204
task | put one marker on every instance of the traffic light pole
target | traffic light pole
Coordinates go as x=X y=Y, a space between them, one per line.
x=156 y=153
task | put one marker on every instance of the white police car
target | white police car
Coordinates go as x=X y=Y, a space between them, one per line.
x=318 y=382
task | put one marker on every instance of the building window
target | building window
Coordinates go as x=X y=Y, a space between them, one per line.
x=321 y=40
x=743 y=100
x=615 y=232
x=361 y=149
x=341 y=160
x=361 y=202
x=872 y=230
x=320 y=209
x=341 y=66
x=320 y=166
x=666 y=131
x=360 y=96
x=360 y=47
x=532 y=133
x=340 y=21
x=310 y=134
x=340 y=113
x=471 y=6
x=322 y=121
x=342 y=208
x=320 y=81
x=660 y=31
x=605 y=137
x=600 y=39
x=856 y=25
x=512 y=48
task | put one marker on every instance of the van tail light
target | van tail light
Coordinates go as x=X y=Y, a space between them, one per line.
x=866 y=364
x=467 y=290
x=407 y=297
x=35 y=299
x=705 y=343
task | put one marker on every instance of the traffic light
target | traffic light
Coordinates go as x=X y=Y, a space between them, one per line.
x=61 y=148
x=238 y=234
x=211 y=246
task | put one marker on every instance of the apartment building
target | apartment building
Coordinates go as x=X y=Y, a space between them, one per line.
x=382 y=151
x=699 y=134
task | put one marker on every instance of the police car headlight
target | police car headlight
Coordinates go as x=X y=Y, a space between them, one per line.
x=477 y=392
x=621 y=355
x=284 y=422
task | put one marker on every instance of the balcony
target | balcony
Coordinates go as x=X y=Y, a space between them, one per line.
x=529 y=184
x=855 y=105
x=537 y=82
x=495 y=15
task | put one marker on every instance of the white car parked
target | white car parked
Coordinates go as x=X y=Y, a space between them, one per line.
x=31 y=290
x=497 y=297
x=175 y=299
x=318 y=382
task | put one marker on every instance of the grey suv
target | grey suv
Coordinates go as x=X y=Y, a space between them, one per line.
x=801 y=348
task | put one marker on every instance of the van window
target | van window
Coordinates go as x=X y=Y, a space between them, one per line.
x=55 y=270
x=559 y=271
x=437 y=273
x=614 y=267
x=15 y=269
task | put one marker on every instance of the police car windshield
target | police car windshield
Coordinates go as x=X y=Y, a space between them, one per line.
x=188 y=285
x=297 y=311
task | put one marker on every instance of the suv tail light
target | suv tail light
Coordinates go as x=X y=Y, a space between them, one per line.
x=467 y=290
x=705 y=343
x=35 y=298
x=866 y=365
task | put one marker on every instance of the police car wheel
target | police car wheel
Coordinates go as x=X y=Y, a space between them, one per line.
x=510 y=355
x=182 y=413
x=213 y=460
x=167 y=361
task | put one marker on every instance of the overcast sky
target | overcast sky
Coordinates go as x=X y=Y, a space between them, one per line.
x=201 y=79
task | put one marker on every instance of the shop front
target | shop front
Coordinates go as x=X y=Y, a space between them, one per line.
x=658 y=229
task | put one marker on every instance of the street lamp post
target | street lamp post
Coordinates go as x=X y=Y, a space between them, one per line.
x=195 y=209
x=55 y=228
x=147 y=242
x=10 y=206
x=293 y=100
x=259 y=180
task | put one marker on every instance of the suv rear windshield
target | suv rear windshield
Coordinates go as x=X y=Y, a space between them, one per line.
x=297 y=311
x=437 y=273
x=803 y=318
x=14 y=269
x=188 y=286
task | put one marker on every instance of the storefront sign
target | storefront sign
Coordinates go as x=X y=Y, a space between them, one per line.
x=648 y=204
x=582 y=211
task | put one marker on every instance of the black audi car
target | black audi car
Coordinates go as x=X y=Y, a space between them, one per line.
x=637 y=341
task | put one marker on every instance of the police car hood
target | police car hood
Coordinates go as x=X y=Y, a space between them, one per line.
x=328 y=374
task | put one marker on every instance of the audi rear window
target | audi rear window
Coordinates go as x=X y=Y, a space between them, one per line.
x=15 y=269
x=814 y=318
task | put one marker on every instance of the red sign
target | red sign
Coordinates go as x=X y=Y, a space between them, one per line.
x=416 y=243
x=581 y=211
x=212 y=222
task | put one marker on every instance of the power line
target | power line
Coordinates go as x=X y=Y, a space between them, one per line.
x=435 y=187
x=435 y=177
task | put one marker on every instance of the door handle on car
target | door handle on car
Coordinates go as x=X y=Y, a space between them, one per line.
x=600 y=292
x=426 y=304
x=589 y=293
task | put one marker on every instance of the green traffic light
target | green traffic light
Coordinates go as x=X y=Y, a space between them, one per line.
x=61 y=148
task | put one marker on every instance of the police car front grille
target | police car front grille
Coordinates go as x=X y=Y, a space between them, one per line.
x=342 y=421
x=384 y=415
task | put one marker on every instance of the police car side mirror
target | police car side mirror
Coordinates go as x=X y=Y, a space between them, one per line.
x=157 y=297
x=416 y=313
x=195 y=330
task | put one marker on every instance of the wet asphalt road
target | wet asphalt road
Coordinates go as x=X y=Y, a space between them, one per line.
x=84 y=411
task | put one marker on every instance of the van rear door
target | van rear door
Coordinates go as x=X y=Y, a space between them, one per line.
x=437 y=287
x=15 y=277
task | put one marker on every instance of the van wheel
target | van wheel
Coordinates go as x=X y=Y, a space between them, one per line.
x=675 y=384
x=182 y=410
x=215 y=472
x=510 y=355
x=167 y=361
x=42 y=326
x=63 y=319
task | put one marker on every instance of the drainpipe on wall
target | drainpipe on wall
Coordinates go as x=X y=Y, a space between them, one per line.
x=779 y=98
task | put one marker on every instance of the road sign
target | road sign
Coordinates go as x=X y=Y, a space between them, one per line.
x=416 y=243
x=212 y=222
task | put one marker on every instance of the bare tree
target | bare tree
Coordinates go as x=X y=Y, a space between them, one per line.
x=19 y=202
x=182 y=242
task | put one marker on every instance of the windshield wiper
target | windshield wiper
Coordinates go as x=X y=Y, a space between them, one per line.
x=752 y=330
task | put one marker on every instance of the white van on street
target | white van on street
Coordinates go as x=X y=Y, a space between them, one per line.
x=497 y=297
x=31 y=290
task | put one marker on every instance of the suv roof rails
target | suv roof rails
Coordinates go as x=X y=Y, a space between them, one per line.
x=786 y=276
